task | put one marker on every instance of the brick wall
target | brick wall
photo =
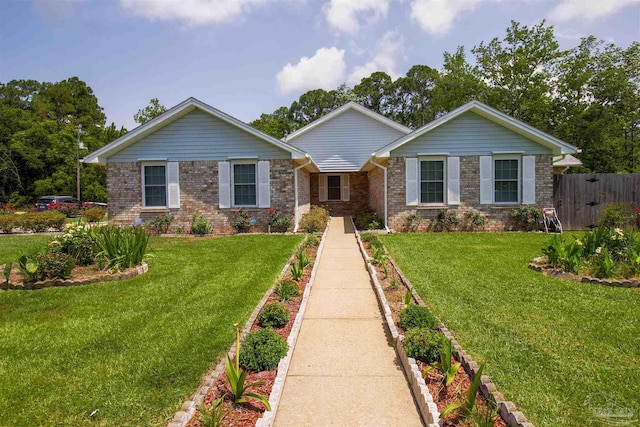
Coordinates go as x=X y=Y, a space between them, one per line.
x=358 y=195
x=376 y=191
x=304 y=192
x=198 y=193
x=498 y=218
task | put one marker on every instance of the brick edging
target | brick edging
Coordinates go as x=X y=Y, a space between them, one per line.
x=129 y=273
x=550 y=271
x=283 y=367
x=424 y=400
x=188 y=408
x=507 y=410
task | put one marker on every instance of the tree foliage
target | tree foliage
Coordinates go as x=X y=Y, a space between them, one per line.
x=151 y=111
x=39 y=124
x=588 y=96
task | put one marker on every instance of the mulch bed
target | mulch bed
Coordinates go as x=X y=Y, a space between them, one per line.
x=247 y=414
x=395 y=290
x=79 y=275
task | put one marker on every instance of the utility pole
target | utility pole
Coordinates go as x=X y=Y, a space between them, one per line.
x=78 y=164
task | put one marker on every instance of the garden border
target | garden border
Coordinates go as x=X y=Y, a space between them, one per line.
x=129 y=273
x=545 y=268
x=188 y=408
x=506 y=409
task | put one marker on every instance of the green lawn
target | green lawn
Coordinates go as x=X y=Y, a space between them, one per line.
x=550 y=345
x=11 y=247
x=133 y=349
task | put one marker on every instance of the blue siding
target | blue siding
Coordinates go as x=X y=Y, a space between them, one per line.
x=199 y=136
x=469 y=135
x=345 y=143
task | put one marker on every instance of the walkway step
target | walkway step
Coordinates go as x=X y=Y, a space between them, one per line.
x=344 y=371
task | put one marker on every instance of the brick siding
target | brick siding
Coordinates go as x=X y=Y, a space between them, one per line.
x=198 y=193
x=498 y=217
x=358 y=195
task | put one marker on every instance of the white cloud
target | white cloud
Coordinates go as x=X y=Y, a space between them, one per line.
x=590 y=10
x=325 y=70
x=387 y=51
x=195 y=12
x=437 y=16
x=343 y=15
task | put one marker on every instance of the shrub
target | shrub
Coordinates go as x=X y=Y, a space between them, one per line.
x=447 y=220
x=160 y=223
x=416 y=316
x=279 y=223
x=367 y=219
x=77 y=242
x=120 y=247
x=315 y=220
x=475 y=219
x=199 y=225
x=287 y=289
x=68 y=210
x=5 y=209
x=311 y=241
x=241 y=221
x=7 y=223
x=617 y=215
x=423 y=344
x=262 y=350
x=93 y=214
x=40 y=221
x=373 y=241
x=55 y=265
x=274 y=315
x=411 y=223
x=526 y=218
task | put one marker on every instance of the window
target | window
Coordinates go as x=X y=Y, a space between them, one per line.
x=244 y=184
x=334 y=188
x=154 y=185
x=432 y=181
x=506 y=180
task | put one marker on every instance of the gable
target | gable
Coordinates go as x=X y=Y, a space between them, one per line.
x=469 y=134
x=199 y=135
x=345 y=142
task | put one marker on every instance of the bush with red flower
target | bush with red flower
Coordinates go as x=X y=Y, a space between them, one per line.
x=279 y=223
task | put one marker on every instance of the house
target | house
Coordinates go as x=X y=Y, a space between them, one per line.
x=195 y=158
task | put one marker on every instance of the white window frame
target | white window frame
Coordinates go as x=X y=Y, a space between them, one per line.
x=233 y=184
x=339 y=175
x=166 y=184
x=493 y=177
x=445 y=180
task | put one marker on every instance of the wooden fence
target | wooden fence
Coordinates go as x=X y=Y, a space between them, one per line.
x=578 y=198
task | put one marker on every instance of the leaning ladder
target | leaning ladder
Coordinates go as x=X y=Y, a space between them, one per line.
x=551 y=221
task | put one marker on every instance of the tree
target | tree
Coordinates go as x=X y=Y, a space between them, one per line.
x=518 y=72
x=38 y=135
x=411 y=100
x=375 y=92
x=458 y=83
x=151 y=111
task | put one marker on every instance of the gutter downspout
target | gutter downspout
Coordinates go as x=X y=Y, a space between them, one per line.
x=295 y=190
x=386 y=226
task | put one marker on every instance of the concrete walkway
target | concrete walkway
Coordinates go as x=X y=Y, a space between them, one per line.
x=344 y=372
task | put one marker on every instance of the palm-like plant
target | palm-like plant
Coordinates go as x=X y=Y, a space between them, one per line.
x=237 y=378
x=446 y=365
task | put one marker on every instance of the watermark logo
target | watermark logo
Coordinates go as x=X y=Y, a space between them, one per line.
x=609 y=412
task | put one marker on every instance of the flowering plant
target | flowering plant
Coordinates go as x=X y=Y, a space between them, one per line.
x=279 y=222
x=5 y=209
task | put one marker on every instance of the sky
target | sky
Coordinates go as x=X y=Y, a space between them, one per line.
x=248 y=57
